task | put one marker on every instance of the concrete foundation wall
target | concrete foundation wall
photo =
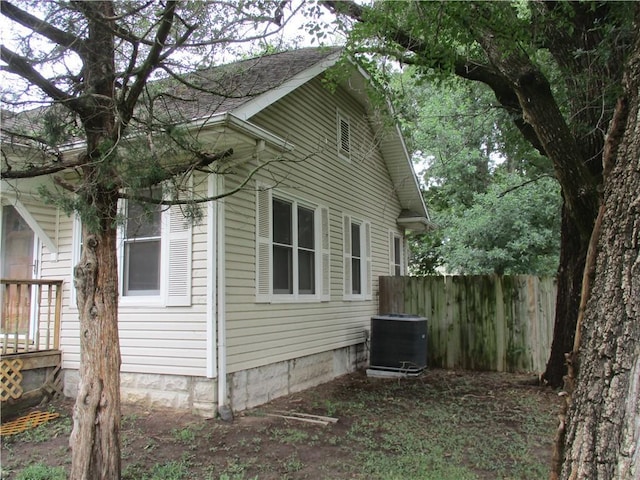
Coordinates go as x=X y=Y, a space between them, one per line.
x=197 y=395
x=247 y=388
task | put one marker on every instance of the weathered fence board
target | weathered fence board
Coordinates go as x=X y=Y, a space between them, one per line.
x=499 y=323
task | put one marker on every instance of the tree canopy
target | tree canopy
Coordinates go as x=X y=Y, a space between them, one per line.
x=581 y=114
x=563 y=112
x=492 y=196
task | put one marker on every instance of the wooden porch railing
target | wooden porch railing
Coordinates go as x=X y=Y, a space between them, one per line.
x=30 y=315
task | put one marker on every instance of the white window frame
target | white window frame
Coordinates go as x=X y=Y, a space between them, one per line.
x=342 y=138
x=76 y=250
x=366 y=282
x=264 y=249
x=393 y=236
x=127 y=239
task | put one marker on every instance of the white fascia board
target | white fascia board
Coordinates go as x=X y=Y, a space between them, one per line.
x=248 y=129
x=225 y=119
x=415 y=186
x=415 y=224
x=397 y=142
x=265 y=99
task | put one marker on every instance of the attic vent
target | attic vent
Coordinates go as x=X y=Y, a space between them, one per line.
x=344 y=136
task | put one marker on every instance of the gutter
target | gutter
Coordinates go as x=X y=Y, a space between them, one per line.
x=251 y=130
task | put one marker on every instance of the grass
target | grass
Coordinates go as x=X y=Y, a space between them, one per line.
x=441 y=426
x=38 y=471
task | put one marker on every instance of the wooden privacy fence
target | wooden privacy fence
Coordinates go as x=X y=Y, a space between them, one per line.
x=493 y=323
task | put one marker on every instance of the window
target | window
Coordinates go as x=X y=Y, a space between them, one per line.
x=344 y=137
x=357 y=259
x=154 y=254
x=356 y=263
x=292 y=249
x=142 y=249
x=396 y=255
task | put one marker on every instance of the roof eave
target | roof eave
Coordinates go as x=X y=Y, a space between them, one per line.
x=417 y=224
x=238 y=125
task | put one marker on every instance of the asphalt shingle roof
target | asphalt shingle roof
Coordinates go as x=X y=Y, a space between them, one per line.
x=202 y=94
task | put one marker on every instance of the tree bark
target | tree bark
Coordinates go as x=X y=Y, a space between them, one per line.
x=95 y=439
x=573 y=250
x=603 y=432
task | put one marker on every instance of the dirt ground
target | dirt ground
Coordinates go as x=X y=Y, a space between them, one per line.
x=384 y=428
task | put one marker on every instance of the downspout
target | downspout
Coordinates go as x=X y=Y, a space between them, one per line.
x=212 y=276
x=224 y=408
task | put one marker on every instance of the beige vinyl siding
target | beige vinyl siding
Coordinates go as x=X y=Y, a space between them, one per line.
x=153 y=339
x=259 y=333
x=42 y=213
x=172 y=340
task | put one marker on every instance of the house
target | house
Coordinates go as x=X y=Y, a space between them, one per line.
x=273 y=291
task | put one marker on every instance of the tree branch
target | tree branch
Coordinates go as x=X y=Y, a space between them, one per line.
x=38 y=171
x=41 y=27
x=150 y=63
x=228 y=193
x=470 y=70
x=21 y=66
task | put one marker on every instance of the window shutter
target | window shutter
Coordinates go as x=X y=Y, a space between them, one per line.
x=179 y=258
x=392 y=256
x=367 y=281
x=405 y=256
x=122 y=211
x=263 y=245
x=325 y=255
x=346 y=227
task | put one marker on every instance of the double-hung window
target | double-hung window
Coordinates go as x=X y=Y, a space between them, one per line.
x=142 y=250
x=357 y=259
x=292 y=249
x=154 y=253
x=396 y=255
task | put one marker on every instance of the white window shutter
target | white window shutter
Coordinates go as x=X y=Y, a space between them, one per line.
x=392 y=256
x=179 y=258
x=325 y=255
x=367 y=283
x=404 y=257
x=122 y=211
x=263 y=245
x=346 y=226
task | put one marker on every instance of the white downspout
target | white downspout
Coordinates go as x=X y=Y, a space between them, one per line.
x=212 y=277
x=224 y=409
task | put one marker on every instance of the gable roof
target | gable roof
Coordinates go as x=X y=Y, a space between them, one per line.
x=262 y=81
x=227 y=96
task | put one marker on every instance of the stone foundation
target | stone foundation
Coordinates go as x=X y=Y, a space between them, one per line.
x=197 y=395
x=247 y=388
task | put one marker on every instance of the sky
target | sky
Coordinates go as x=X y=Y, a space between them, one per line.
x=294 y=34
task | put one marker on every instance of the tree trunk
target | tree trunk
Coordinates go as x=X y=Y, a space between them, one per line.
x=603 y=431
x=95 y=440
x=573 y=251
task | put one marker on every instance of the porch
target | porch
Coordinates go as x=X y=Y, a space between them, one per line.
x=30 y=358
x=30 y=315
